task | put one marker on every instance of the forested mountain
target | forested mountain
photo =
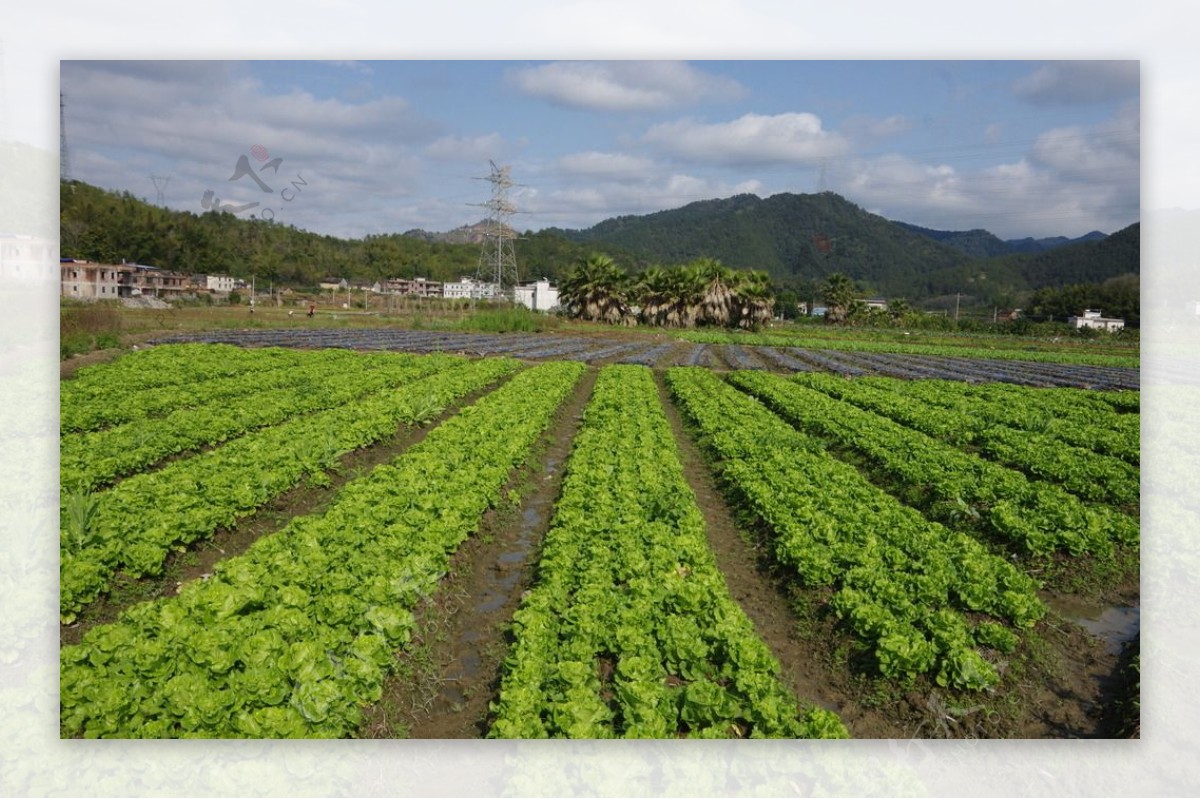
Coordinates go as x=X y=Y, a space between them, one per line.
x=976 y=243
x=1031 y=245
x=104 y=226
x=793 y=237
x=1087 y=261
x=980 y=243
x=797 y=239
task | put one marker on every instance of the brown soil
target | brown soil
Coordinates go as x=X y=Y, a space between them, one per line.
x=452 y=670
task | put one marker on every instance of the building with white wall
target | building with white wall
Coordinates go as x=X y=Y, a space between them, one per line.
x=1095 y=319
x=220 y=283
x=468 y=288
x=537 y=296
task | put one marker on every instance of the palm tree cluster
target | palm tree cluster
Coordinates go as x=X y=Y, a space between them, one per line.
x=701 y=293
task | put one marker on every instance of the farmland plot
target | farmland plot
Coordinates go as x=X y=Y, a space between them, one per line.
x=915 y=513
x=292 y=638
x=630 y=630
x=721 y=350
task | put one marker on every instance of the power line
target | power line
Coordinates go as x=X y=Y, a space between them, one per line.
x=497 y=256
x=160 y=184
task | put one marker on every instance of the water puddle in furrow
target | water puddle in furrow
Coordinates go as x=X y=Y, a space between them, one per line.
x=1116 y=626
x=502 y=584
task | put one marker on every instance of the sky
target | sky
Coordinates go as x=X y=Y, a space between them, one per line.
x=355 y=148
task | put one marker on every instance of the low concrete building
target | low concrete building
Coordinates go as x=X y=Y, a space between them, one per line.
x=151 y=281
x=220 y=283
x=537 y=296
x=468 y=288
x=1095 y=319
x=413 y=287
x=84 y=280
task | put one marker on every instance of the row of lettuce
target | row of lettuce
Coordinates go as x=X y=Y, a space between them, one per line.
x=1005 y=352
x=628 y=629
x=133 y=525
x=295 y=637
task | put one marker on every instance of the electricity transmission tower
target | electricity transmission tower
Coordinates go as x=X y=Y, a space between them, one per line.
x=160 y=184
x=497 y=257
x=64 y=157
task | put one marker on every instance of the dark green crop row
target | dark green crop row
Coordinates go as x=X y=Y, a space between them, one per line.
x=630 y=631
x=909 y=588
x=134 y=525
x=1089 y=475
x=167 y=365
x=294 y=637
x=1073 y=416
x=947 y=483
x=113 y=402
x=92 y=460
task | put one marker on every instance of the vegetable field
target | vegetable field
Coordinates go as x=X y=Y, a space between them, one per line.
x=276 y=542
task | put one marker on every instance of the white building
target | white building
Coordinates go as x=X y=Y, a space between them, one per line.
x=537 y=296
x=1095 y=319
x=220 y=283
x=468 y=288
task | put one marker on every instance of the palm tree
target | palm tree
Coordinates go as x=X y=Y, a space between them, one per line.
x=838 y=295
x=715 y=303
x=596 y=290
x=654 y=292
x=686 y=286
x=897 y=309
x=754 y=303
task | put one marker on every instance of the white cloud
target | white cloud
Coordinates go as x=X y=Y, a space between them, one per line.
x=466 y=148
x=192 y=121
x=592 y=164
x=870 y=130
x=1079 y=82
x=583 y=205
x=622 y=85
x=1107 y=153
x=749 y=139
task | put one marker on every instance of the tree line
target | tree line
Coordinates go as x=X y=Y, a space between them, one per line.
x=701 y=293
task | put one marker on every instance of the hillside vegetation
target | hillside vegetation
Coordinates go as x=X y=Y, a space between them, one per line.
x=797 y=240
x=801 y=239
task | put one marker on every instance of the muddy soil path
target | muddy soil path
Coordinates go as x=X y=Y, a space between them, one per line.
x=304 y=499
x=764 y=595
x=452 y=670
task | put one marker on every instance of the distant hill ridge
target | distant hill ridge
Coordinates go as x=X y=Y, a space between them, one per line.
x=980 y=243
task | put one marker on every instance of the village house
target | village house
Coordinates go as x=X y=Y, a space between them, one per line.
x=1096 y=320
x=222 y=283
x=468 y=288
x=537 y=296
x=413 y=287
x=85 y=280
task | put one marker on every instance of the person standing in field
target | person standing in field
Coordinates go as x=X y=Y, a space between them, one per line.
x=312 y=309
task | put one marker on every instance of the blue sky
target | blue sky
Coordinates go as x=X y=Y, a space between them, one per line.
x=351 y=148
